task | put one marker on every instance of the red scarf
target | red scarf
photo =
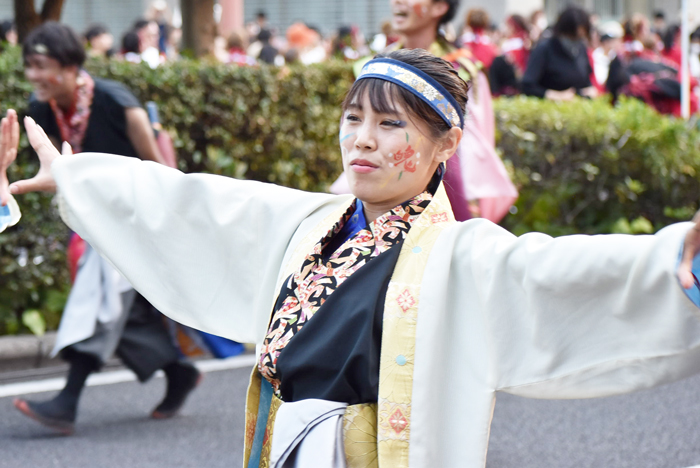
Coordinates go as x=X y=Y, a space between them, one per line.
x=73 y=126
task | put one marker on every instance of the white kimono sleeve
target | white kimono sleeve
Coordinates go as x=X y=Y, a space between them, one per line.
x=205 y=250
x=582 y=316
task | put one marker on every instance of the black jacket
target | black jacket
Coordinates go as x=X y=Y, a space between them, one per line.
x=554 y=66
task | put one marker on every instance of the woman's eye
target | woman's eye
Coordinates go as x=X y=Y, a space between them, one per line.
x=394 y=123
x=352 y=118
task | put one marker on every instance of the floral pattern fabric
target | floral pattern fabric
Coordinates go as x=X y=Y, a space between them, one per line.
x=305 y=291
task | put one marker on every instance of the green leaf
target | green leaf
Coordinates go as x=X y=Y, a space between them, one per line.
x=33 y=320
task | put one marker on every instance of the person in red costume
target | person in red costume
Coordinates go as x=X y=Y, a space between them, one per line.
x=508 y=68
x=646 y=74
x=672 y=45
x=636 y=29
x=475 y=38
x=517 y=46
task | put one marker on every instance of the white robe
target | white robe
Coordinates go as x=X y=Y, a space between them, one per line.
x=571 y=317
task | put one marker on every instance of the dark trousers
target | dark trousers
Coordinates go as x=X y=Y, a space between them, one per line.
x=142 y=341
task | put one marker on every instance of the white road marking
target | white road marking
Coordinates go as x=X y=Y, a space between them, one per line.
x=119 y=376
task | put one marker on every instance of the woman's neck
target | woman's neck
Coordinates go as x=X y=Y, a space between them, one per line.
x=422 y=39
x=373 y=211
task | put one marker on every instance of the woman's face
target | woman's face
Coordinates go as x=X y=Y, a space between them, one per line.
x=102 y=43
x=387 y=158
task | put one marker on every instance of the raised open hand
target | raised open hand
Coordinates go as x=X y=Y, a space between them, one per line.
x=43 y=181
x=9 y=141
x=691 y=248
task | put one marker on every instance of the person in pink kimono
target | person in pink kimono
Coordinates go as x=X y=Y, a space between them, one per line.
x=476 y=180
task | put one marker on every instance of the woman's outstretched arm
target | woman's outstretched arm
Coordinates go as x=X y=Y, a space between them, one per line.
x=205 y=250
x=582 y=316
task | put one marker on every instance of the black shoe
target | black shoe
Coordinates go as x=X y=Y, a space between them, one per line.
x=182 y=379
x=48 y=413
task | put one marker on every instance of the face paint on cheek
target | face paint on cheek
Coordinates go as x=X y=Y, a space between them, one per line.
x=405 y=157
x=343 y=138
x=420 y=10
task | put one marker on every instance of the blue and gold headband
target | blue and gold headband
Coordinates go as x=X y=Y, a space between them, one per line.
x=419 y=83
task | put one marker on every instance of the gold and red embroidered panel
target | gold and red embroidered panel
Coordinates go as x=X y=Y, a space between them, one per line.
x=399 y=333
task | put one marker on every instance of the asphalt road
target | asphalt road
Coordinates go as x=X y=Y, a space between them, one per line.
x=114 y=430
x=650 y=429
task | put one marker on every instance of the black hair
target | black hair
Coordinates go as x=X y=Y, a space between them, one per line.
x=453 y=6
x=5 y=27
x=659 y=14
x=669 y=37
x=261 y=14
x=140 y=24
x=95 y=30
x=695 y=34
x=384 y=96
x=344 y=31
x=570 y=20
x=130 y=42
x=57 y=41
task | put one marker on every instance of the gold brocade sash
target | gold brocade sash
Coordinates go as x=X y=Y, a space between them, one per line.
x=376 y=435
x=359 y=429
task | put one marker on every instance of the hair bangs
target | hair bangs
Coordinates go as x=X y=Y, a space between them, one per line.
x=383 y=95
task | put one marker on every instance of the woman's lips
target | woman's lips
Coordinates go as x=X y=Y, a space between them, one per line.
x=363 y=166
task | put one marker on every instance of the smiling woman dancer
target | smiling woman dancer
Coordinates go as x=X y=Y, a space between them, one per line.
x=386 y=327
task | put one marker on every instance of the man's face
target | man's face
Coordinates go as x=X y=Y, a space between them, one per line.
x=47 y=76
x=412 y=16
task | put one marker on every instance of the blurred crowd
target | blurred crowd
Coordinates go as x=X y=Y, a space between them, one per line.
x=577 y=55
x=581 y=55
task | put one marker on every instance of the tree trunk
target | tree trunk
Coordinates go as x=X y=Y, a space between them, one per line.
x=27 y=18
x=51 y=11
x=198 y=26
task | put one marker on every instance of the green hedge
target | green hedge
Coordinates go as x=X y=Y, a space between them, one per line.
x=581 y=167
x=261 y=123
x=586 y=167
x=33 y=275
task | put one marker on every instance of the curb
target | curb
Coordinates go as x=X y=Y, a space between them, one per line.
x=26 y=346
